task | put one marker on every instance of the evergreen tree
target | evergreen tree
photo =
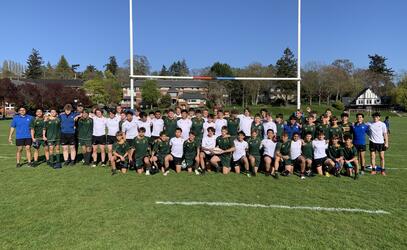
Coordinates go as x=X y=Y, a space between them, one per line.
x=112 y=65
x=286 y=66
x=91 y=72
x=164 y=71
x=381 y=76
x=34 y=62
x=179 y=68
x=378 y=65
x=63 y=70
x=49 y=71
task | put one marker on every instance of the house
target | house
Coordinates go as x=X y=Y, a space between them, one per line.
x=191 y=100
x=175 y=88
x=74 y=83
x=366 y=100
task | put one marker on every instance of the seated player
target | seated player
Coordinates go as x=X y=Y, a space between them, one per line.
x=207 y=145
x=254 y=152
x=177 y=151
x=335 y=153
x=239 y=155
x=161 y=148
x=225 y=148
x=37 y=127
x=283 y=155
x=52 y=135
x=269 y=147
x=141 y=154
x=85 y=131
x=350 y=155
x=307 y=152
x=321 y=160
x=191 y=153
x=120 y=154
x=296 y=155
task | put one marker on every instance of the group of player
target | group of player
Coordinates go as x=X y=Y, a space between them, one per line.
x=199 y=141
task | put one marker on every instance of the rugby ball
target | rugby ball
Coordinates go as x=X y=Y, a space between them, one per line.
x=217 y=151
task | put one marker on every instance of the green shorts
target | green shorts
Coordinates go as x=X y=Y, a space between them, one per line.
x=39 y=143
x=130 y=142
x=53 y=142
x=85 y=142
x=257 y=159
x=190 y=162
x=140 y=162
x=287 y=162
x=225 y=160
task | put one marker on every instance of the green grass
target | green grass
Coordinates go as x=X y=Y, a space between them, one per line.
x=87 y=208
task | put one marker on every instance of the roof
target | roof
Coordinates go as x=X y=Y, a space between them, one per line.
x=172 y=83
x=67 y=83
x=191 y=95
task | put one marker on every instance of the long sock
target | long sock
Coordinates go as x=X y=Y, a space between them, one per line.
x=52 y=159
x=87 y=157
x=57 y=158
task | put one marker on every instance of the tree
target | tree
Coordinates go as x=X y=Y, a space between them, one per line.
x=104 y=90
x=91 y=72
x=164 y=71
x=6 y=72
x=150 y=92
x=49 y=71
x=230 y=89
x=63 y=70
x=286 y=66
x=141 y=65
x=401 y=93
x=309 y=82
x=381 y=76
x=166 y=101
x=112 y=65
x=8 y=91
x=179 y=68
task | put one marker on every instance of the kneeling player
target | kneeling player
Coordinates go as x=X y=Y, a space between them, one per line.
x=161 y=148
x=254 y=151
x=120 y=154
x=296 y=156
x=239 y=155
x=207 y=145
x=177 y=151
x=350 y=155
x=141 y=155
x=269 y=145
x=283 y=155
x=223 y=156
x=321 y=160
x=335 y=153
x=307 y=152
x=191 y=153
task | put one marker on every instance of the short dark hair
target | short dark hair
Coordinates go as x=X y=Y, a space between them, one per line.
x=163 y=133
x=347 y=137
x=344 y=115
x=270 y=130
x=178 y=129
x=376 y=114
x=358 y=114
x=280 y=116
x=142 y=114
x=68 y=107
x=211 y=129
x=242 y=133
x=142 y=129
x=184 y=111
x=129 y=112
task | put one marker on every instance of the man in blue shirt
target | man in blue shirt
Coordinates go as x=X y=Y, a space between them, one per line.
x=292 y=127
x=21 y=124
x=359 y=132
x=68 y=134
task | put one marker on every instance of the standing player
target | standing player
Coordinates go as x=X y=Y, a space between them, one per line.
x=280 y=126
x=85 y=131
x=145 y=122
x=323 y=126
x=197 y=126
x=245 y=122
x=21 y=124
x=113 y=126
x=223 y=156
x=37 y=127
x=52 y=135
x=379 y=142
x=191 y=153
x=268 y=123
x=269 y=147
x=292 y=127
x=99 y=138
x=130 y=129
x=184 y=124
x=233 y=123
x=359 y=132
x=308 y=127
x=334 y=129
x=208 y=124
x=220 y=122
x=254 y=151
x=177 y=151
x=68 y=140
x=239 y=154
x=345 y=124
x=170 y=123
x=142 y=147
x=158 y=125
x=257 y=125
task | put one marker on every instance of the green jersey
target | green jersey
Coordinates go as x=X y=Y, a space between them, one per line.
x=259 y=128
x=190 y=149
x=224 y=142
x=323 y=128
x=53 y=129
x=170 y=126
x=280 y=129
x=233 y=126
x=85 y=129
x=141 y=146
x=161 y=148
x=349 y=153
x=346 y=128
x=307 y=128
x=197 y=126
x=121 y=148
x=254 y=146
x=334 y=152
x=307 y=150
x=335 y=131
x=37 y=125
x=284 y=147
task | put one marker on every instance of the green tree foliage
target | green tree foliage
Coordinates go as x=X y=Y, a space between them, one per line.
x=381 y=75
x=141 y=65
x=164 y=71
x=63 y=70
x=230 y=89
x=166 y=101
x=34 y=65
x=49 y=71
x=91 y=72
x=286 y=66
x=5 y=70
x=179 y=68
x=150 y=92
x=112 y=65
x=400 y=92
x=104 y=90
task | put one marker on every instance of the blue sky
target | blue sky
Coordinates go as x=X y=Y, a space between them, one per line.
x=202 y=32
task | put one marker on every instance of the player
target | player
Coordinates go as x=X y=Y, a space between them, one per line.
x=345 y=124
x=296 y=156
x=52 y=135
x=112 y=124
x=321 y=160
x=309 y=127
x=170 y=123
x=257 y=125
x=269 y=147
x=335 y=153
x=223 y=156
x=145 y=122
x=208 y=124
x=379 y=142
x=119 y=159
x=85 y=131
x=233 y=124
x=245 y=122
x=197 y=126
x=323 y=126
x=207 y=146
x=177 y=151
x=268 y=123
x=280 y=126
x=141 y=154
x=191 y=153
x=161 y=148
x=99 y=138
x=350 y=155
x=68 y=139
x=130 y=129
x=239 y=154
x=184 y=124
x=282 y=155
x=307 y=152
x=254 y=152
x=334 y=129
x=37 y=126
x=359 y=131
x=158 y=125
x=21 y=124
x=220 y=122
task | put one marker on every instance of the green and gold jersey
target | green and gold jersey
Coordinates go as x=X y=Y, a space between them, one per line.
x=334 y=152
x=324 y=128
x=190 y=149
x=197 y=126
x=161 y=148
x=254 y=146
x=170 y=125
x=349 y=153
x=284 y=147
x=141 y=146
x=307 y=128
x=307 y=150
x=335 y=131
x=37 y=125
x=224 y=142
x=53 y=129
x=280 y=129
x=85 y=129
x=233 y=126
x=346 y=128
x=121 y=149
x=259 y=128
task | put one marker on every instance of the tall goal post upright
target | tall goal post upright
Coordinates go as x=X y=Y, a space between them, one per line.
x=298 y=78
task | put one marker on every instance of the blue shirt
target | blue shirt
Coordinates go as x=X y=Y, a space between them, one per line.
x=22 y=126
x=291 y=129
x=68 y=123
x=359 y=133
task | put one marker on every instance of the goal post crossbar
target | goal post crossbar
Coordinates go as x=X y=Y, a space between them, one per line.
x=209 y=78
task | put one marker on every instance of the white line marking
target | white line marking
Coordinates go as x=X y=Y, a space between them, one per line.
x=234 y=204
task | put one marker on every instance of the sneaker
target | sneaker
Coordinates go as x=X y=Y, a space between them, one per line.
x=72 y=163
x=248 y=174
x=103 y=164
x=383 y=173
x=327 y=174
x=66 y=163
x=197 y=172
x=308 y=173
x=57 y=165
x=362 y=172
x=29 y=164
x=166 y=173
x=285 y=173
x=302 y=177
x=94 y=164
x=35 y=164
x=148 y=172
x=18 y=165
x=355 y=176
x=275 y=175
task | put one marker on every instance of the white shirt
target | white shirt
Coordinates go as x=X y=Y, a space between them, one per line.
x=295 y=149
x=177 y=147
x=146 y=125
x=158 y=126
x=319 y=148
x=130 y=128
x=208 y=142
x=185 y=125
x=245 y=124
x=269 y=147
x=99 y=126
x=112 y=126
x=377 y=131
x=207 y=125
x=240 y=149
x=219 y=123
x=269 y=125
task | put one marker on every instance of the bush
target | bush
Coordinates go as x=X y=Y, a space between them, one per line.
x=339 y=105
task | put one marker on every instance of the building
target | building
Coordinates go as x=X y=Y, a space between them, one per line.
x=74 y=83
x=191 y=100
x=366 y=100
x=175 y=88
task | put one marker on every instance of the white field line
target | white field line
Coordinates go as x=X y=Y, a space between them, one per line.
x=233 y=204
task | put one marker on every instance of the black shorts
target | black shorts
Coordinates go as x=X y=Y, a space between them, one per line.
x=239 y=162
x=99 y=140
x=376 y=147
x=67 y=139
x=208 y=157
x=110 y=140
x=177 y=160
x=320 y=161
x=360 y=148
x=24 y=142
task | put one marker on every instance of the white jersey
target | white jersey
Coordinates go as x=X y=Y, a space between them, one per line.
x=269 y=147
x=209 y=143
x=112 y=126
x=245 y=124
x=99 y=126
x=185 y=125
x=146 y=125
x=207 y=125
x=319 y=147
x=240 y=149
x=219 y=123
x=158 y=126
x=295 y=149
x=130 y=129
x=377 y=131
x=269 y=125
x=177 y=147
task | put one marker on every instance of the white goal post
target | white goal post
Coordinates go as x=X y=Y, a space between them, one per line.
x=298 y=78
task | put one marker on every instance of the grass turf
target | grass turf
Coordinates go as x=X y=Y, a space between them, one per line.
x=87 y=208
